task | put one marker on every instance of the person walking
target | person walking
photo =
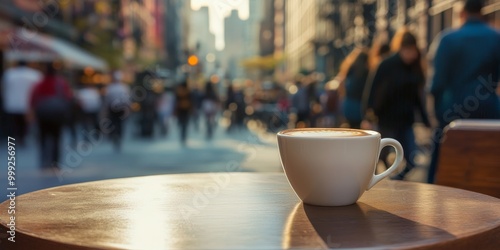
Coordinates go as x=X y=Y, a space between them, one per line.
x=209 y=107
x=354 y=73
x=396 y=92
x=466 y=74
x=301 y=105
x=17 y=84
x=91 y=103
x=235 y=105
x=183 y=107
x=196 y=111
x=117 y=103
x=165 y=109
x=50 y=106
x=330 y=101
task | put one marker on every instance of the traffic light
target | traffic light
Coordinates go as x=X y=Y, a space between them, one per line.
x=192 y=60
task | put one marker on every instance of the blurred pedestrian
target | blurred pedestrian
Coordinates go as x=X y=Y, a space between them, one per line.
x=73 y=119
x=330 y=100
x=50 y=105
x=183 y=107
x=240 y=112
x=117 y=104
x=196 y=112
x=165 y=108
x=148 y=103
x=230 y=96
x=354 y=73
x=148 y=114
x=228 y=113
x=17 y=84
x=283 y=106
x=91 y=103
x=378 y=52
x=316 y=110
x=209 y=107
x=396 y=92
x=301 y=105
x=236 y=105
x=466 y=74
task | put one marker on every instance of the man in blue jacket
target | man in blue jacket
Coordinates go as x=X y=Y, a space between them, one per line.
x=466 y=75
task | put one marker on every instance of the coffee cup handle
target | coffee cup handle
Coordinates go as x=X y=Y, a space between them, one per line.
x=399 y=158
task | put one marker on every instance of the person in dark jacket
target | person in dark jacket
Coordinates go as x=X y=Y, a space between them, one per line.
x=396 y=92
x=209 y=106
x=183 y=108
x=466 y=74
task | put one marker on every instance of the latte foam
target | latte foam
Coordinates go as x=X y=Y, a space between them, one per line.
x=325 y=133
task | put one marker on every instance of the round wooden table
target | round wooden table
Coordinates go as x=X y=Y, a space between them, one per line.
x=247 y=211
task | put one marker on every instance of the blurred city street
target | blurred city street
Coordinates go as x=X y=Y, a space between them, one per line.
x=241 y=151
x=248 y=150
x=244 y=69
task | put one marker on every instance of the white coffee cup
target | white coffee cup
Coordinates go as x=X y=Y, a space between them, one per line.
x=333 y=166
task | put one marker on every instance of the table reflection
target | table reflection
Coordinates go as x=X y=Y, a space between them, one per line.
x=357 y=225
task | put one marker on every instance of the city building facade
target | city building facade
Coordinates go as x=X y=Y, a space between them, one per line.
x=321 y=33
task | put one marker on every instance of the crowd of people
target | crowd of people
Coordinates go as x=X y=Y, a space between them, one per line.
x=39 y=97
x=190 y=105
x=384 y=88
x=49 y=103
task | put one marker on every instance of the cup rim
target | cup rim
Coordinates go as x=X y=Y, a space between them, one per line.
x=371 y=133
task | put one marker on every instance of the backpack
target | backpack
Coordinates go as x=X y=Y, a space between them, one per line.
x=56 y=108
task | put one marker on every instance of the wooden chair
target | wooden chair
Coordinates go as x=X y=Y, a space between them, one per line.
x=470 y=156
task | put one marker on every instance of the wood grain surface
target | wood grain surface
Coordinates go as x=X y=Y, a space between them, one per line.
x=248 y=211
x=470 y=157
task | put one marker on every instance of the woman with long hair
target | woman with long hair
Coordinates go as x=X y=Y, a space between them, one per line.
x=378 y=52
x=396 y=92
x=353 y=74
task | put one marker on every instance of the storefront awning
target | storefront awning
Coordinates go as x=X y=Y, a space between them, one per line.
x=35 y=46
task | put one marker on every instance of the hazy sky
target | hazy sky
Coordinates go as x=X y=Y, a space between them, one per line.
x=218 y=9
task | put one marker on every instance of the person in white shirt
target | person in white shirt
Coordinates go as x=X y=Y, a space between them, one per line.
x=17 y=83
x=165 y=110
x=90 y=102
x=117 y=103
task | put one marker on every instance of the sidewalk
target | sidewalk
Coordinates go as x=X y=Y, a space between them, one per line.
x=243 y=151
x=253 y=150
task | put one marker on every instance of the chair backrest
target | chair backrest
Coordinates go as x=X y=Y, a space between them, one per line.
x=470 y=156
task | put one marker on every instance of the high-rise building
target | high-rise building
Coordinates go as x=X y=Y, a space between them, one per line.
x=320 y=34
x=446 y=14
x=234 y=37
x=308 y=37
x=241 y=39
x=253 y=22
x=272 y=37
x=266 y=32
x=201 y=40
x=173 y=34
x=301 y=18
